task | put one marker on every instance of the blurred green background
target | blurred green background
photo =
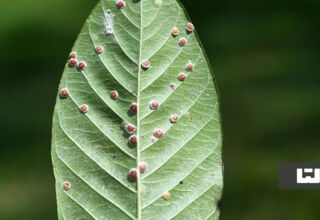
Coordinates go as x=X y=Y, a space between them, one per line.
x=265 y=55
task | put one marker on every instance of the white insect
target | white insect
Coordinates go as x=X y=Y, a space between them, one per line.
x=158 y=3
x=108 y=22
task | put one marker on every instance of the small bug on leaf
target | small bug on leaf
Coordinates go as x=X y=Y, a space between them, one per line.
x=142 y=167
x=84 y=108
x=121 y=4
x=73 y=55
x=64 y=93
x=134 y=107
x=82 y=65
x=145 y=64
x=182 y=42
x=190 y=27
x=99 y=49
x=189 y=67
x=158 y=133
x=174 y=118
x=133 y=174
x=175 y=31
x=166 y=196
x=72 y=62
x=154 y=105
x=133 y=140
x=182 y=76
x=130 y=128
x=114 y=94
x=66 y=186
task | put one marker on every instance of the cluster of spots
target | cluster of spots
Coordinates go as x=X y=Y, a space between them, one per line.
x=189 y=67
x=182 y=42
x=166 y=196
x=66 y=186
x=73 y=61
x=145 y=64
x=133 y=172
x=175 y=32
x=158 y=133
x=121 y=4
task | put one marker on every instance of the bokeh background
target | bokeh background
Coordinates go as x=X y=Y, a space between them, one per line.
x=265 y=55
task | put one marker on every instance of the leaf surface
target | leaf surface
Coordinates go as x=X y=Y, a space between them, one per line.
x=91 y=150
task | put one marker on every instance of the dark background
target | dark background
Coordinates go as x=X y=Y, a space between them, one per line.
x=265 y=55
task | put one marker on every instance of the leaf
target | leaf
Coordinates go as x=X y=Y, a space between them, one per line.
x=91 y=152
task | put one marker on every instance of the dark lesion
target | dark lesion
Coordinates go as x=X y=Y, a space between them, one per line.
x=219 y=204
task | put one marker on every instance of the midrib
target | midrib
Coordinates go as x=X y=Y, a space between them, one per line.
x=138 y=122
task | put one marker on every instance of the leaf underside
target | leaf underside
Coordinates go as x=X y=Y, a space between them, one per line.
x=91 y=150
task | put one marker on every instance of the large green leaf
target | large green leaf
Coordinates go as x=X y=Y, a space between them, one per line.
x=91 y=151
